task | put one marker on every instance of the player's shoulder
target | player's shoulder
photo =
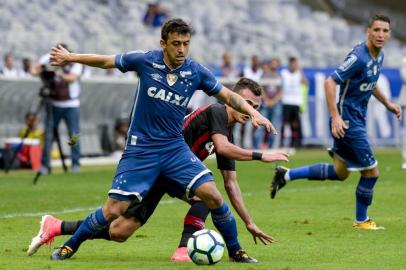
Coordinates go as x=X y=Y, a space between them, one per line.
x=217 y=108
x=197 y=67
x=360 y=52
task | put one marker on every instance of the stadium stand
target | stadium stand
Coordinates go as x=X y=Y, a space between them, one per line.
x=243 y=27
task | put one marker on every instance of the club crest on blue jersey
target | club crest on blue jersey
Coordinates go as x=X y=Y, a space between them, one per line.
x=171 y=79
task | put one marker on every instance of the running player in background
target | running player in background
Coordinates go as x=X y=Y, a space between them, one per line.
x=155 y=144
x=206 y=130
x=357 y=78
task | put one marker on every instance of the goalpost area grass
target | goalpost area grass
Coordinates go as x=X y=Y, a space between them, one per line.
x=311 y=221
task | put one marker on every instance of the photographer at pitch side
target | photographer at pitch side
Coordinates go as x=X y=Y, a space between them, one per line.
x=60 y=93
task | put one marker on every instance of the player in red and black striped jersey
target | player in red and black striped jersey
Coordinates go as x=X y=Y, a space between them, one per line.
x=206 y=130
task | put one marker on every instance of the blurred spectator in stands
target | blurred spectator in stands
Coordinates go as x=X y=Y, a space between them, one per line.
x=9 y=69
x=292 y=98
x=25 y=70
x=243 y=134
x=271 y=105
x=61 y=89
x=31 y=129
x=228 y=69
x=253 y=71
x=155 y=16
x=120 y=133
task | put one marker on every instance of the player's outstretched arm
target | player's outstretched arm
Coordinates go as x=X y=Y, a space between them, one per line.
x=60 y=57
x=390 y=106
x=337 y=124
x=234 y=193
x=238 y=103
x=226 y=149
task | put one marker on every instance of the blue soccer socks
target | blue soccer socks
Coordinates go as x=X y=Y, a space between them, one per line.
x=364 y=194
x=94 y=223
x=224 y=221
x=319 y=171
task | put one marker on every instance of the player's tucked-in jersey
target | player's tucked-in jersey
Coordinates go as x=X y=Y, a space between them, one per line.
x=162 y=96
x=198 y=128
x=357 y=78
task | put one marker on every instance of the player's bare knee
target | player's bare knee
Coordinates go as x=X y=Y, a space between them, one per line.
x=209 y=193
x=343 y=175
x=374 y=172
x=113 y=209
x=215 y=200
x=118 y=236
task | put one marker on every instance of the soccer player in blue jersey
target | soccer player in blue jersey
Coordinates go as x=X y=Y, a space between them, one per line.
x=155 y=145
x=357 y=78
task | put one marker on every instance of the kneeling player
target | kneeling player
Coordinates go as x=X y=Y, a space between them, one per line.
x=206 y=130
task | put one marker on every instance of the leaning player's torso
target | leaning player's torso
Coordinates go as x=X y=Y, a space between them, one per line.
x=197 y=130
x=356 y=92
x=161 y=101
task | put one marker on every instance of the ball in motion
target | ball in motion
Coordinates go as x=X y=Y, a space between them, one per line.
x=205 y=247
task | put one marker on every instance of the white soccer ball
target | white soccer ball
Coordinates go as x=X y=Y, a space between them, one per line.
x=205 y=247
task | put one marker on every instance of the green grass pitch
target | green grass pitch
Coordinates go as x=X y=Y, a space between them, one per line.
x=311 y=221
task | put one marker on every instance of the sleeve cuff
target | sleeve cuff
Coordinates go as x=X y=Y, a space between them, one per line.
x=119 y=62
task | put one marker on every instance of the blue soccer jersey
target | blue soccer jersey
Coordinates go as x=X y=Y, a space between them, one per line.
x=155 y=145
x=162 y=95
x=357 y=78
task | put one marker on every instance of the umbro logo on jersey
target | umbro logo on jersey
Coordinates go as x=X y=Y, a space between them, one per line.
x=183 y=74
x=171 y=79
x=158 y=66
x=156 y=77
x=168 y=96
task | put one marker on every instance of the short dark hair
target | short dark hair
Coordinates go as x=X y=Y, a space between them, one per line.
x=245 y=83
x=30 y=114
x=175 y=26
x=378 y=17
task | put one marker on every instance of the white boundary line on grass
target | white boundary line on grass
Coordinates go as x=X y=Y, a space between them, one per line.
x=65 y=211
x=169 y=201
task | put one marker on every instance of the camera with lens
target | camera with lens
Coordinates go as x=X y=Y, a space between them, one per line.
x=53 y=85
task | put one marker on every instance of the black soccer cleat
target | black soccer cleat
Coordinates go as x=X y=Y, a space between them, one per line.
x=278 y=181
x=242 y=257
x=62 y=253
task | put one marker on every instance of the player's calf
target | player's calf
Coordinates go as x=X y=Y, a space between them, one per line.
x=123 y=227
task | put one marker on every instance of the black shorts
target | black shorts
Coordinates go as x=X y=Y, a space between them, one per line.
x=144 y=209
x=291 y=113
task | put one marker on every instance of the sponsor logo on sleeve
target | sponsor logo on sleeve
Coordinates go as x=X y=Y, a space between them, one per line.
x=183 y=73
x=158 y=66
x=351 y=59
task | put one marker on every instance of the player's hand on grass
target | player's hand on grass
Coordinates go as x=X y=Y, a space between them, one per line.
x=257 y=233
x=338 y=127
x=395 y=109
x=59 y=56
x=277 y=156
